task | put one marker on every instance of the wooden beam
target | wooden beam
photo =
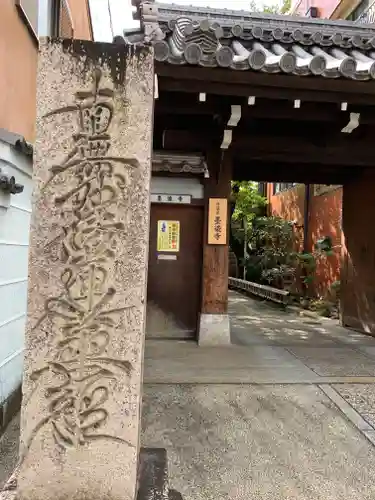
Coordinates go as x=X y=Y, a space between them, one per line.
x=324 y=157
x=308 y=173
x=265 y=109
x=304 y=142
x=337 y=149
x=230 y=88
x=250 y=141
x=246 y=128
x=253 y=79
x=285 y=112
x=190 y=122
x=186 y=140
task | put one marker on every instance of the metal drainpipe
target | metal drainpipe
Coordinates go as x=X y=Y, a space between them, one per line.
x=306 y=217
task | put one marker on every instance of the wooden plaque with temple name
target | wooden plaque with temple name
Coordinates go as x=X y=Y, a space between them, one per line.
x=217 y=221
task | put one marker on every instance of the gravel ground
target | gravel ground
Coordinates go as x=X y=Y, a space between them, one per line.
x=9 y=450
x=244 y=442
x=361 y=397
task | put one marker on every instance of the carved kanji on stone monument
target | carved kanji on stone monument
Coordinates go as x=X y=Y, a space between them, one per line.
x=82 y=316
x=87 y=272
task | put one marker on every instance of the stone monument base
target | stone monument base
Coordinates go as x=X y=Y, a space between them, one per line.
x=214 y=330
x=153 y=478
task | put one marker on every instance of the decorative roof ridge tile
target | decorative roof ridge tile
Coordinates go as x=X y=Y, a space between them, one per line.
x=228 y=18
x=179 y=163
x=259 y=42
x=231 y=14
x=172 y=10
x=159 y=16
x=16 y=141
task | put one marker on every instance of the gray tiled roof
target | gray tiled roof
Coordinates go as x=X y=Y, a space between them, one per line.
x=187 y=35
x=17 y=141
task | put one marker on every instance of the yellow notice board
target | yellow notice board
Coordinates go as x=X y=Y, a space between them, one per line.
x=217 y=221
x=168 y=236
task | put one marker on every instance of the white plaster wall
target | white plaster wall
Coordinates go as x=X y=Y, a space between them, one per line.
x=175 y=185
x=14 y=236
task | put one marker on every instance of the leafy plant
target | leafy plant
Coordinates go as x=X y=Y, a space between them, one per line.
x=271 y=247
x=322 y=307
x=334 y=292
x=324 y=245
x=284 y=8
x=273 y=259
x=248 y=200
x=270 y=241
x=336 y=285
x=306 y=262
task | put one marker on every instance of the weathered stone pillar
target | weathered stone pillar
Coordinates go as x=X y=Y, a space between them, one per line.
x=214 y=320
x=87 y=273
x=357 y=294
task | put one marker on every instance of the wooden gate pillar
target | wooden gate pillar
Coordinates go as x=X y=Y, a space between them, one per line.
x=214 y=321
x=358 y=252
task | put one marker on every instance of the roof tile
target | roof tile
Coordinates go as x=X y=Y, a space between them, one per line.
x=239 y=40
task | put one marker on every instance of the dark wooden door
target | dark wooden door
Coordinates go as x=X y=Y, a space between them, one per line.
x=174 y=279
x=357 y=292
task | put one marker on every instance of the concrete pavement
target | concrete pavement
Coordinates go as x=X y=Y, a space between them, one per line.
x=264 y=442
x=286 y=412
x=269 y=346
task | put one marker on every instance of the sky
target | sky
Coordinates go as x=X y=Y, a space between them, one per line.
x=121 y=11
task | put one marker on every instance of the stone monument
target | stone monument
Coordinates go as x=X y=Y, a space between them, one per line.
x=87 y=272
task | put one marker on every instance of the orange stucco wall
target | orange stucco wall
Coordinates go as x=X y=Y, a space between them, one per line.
x=81 y=19
x=324 y=220
x=18 y=62
x=290 y=206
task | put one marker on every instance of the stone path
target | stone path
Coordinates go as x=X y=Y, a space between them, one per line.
x=287 y=412
x=264 y=442
x=269 y=345
x=256 y=322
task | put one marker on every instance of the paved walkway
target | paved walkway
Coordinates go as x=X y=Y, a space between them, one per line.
x=286 y=412
x=269 y=346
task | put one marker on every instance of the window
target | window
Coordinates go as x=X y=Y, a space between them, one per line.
x=278 y=187
x=54 y=19
x=45 y=18
x=29 y=11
